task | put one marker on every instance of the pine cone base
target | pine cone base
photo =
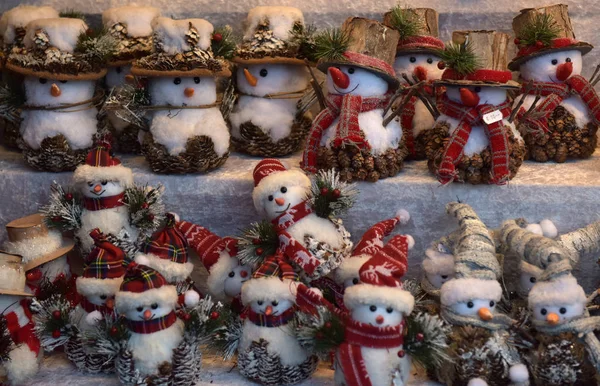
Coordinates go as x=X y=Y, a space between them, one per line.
x=421 y=150
x=124 y=141
x=10 y=132
x=54 y=155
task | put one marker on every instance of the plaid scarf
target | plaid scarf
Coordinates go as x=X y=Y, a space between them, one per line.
x=360 y=335
x=153 y=325
x=100 y=203
x=263 y=320
x=22 y=334
x=91 y=307
x=347 y=108
x=407 y=117
x=469 y=117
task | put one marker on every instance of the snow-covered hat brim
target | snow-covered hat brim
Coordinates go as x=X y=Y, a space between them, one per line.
x=218 y=274
x=126 y=300
x=437 y=263
x=465 y=289
x=172 y=271
x=119 y=173
x=268 y=288
x=88 y=286
x=274 y=181
x=366 y=294
x=349 y=268
x=40 y=250
x=55 y=75
x=563 y=290
x=146 y=72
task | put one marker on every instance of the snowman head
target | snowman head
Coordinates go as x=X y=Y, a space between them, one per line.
x=438 y=267
x=235 y=279
x=472 y=96
x=472 y=297
x=183 y=91
x=102 y=188
x=425 y=66
x=49 y=92
x=102 y=175
x=101 y=300
x=557 y=301
x=553 y=67
x=353 y=80
x=377 y=315
x=529 y=274
x=117 y=75
x=347 y=274
x=263 y=79
x=146 y=305
x=269 y=296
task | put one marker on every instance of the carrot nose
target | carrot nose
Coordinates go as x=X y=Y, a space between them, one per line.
x=130 y=79
x=97 y=188
x=280 y=201
x=553 y=318
x=340 y=79
x=188 y=92
x=268 y=310
x=485 y=314
x=55 y=90
x=244 y=274
x=110 y=303
x=147 y=315
x=379 y=319
x=468 y=98
x=251 y=79
x=420 y=73
x=564 y=71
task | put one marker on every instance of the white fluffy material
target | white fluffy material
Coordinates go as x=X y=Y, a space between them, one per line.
x=403 y=216
x=320 y=228
x=138 y=19
x=218 y=273
x=366 y=294
x=72 y=91
x=563 y=290
x=152 y=350
x=518 y=373
x=274 y=181
x=268 y=288
x=172 y=34
x=87 y=286
x=53 y=268
x=477 y=382
x=34 y=248
x=165 y=295
x=349 y=268
x=281 y=342
x=191 y=298
x=531 y=269
x=20 y=16
x=279 y=78
x=165 y=91
x=93 y=318
x=173 y=129
x=403 y=64
x=63 y=33
x=87 y=173
x=12 y=279
x=77 y=127
x=113 y=220
x=548 y=228
x=410 y=241
x=281 y=20
x=437 y=262
x=22 y=365
x=465 y=289
x=172 y=271
x=540 y=68
x=534 y=228
x=573 y=104
x=380 y=363
x=273 y=116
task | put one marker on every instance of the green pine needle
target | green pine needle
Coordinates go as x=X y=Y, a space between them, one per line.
x=303 y=37
x=331 y=44
x=405 y=21
x=96 y=45
x=461 y=58
x=542 y=28
x=226 y=46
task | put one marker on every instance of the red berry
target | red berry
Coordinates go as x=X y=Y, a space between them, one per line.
x=324 y=191
x=517 y=41
x=57 y=219
x=56 y=334
x=217 y=37
x=61 y=276
x=539 y=44
x=319 y=335
x=56 y=314
x=256 y=241
x=145 y=205
x=150 y=216
x=186 y=317
x=401 y=354
x=336 y=193
x=420 y=337
x=441 y=65
x=68 y=196
x=260 y=251
x=328 y=325
x=114 y=331
x=214 y=315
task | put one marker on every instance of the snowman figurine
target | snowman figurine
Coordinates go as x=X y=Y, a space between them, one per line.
x=438 y=268
x=268 y=352
x=59 y=119
x=271 y=78
x=187 y=131
x=417 y=55
x=483 y=146
x=317 y=245
x=131 y=26
x=349 y=135
x=550 y=63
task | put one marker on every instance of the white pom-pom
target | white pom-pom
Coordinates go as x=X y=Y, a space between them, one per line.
x=548 y=228
x=410 y=241
x=93 y=318
x=534 y=228
x=175 y=216
x=477 y=382
x=142 y=260
x=191 y=298
x=518 y=373
x=403 y=216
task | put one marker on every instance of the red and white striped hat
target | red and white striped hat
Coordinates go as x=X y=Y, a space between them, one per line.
x=270 y=175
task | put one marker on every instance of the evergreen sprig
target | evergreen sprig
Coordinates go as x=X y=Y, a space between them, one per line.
x=11 y=100
x=426 y=340
x=331 y=44
x=52 y=319
x=96 y=46
x=330 y=196
x=303 y=37
x=6 y=342
x=108 y=336
x=223 y=42
x=319 y=333
x=541 y=30
x=225 y=332
x=405 y=21
x=63 y=212
x=461 y=58
x=258 y=241
x=146 y=208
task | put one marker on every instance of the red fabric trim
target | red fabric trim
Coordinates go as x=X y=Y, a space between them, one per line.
x=369 y=61
x=353 y=365
x=479 y=75
x=556 y=44
x=292 y=215
x=154 y=325
x=263 y=320
x=427 y=42
x=94 y=204
x=23 y=334
x=366 y=335
x=90 y=307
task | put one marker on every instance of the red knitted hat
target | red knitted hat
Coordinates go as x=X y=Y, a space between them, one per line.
x=100 y=165
x=419 y=43
x=482 y=75
x=265 y=168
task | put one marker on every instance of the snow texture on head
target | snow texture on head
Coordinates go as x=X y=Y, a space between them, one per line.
x=349 y=268
x=268 y=289
x=38 y=91
x=542 y=69
x=407 y=64
x=281 y=20
x=20 y=16
x=22 y=366
x=368 y=294
x=172 y=271
x=87 y=286
x=436 y=262
x=171 y=34
x=166 y=296
x=138 y=19
x=63 y=33
x=362 y=82
x=272 y=78
x=487 y=96
x=172 y=90
x=559 y=291
x=115 y=76
x=466 y=289
x=273 y=183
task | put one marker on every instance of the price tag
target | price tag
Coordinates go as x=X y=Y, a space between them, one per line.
x=492 y=117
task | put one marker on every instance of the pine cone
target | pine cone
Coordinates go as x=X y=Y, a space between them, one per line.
x=373 y=176
x=343 y=159
x=369 y=163
x=477 y=161
x=357 y=161
x=561 y=153
x=361 y=174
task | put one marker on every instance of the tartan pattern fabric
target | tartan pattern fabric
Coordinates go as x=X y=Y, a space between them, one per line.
x=370 y=61
x=105 y=261
x=168 y=244
x=90 y=307
x=94 y=204
x=558 y=43
x=152 y=325
x=22 y=334
x=406 y=121
x=388 y=265
x=372 y=239
x=207 y=245
x=347 y=108
x=140 y=278
x=101 y=157
x=263 y=320
x=469 y=117
x=275 y=266
x=266 y=167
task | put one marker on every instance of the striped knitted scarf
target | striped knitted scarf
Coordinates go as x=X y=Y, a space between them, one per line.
x=497 y=134
x=500 y=321
x=153 y=325
x=347 y=108
x=100 y=203
x=263 y=320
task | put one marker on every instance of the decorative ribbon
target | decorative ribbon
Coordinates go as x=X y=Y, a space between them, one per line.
x=94 y=204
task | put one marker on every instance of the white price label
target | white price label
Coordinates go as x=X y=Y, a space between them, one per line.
x=492 y=117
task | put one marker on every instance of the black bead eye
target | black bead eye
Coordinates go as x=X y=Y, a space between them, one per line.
x=554 y=61
x=140 y=309
x=568 y=60
x=271 y=198
x=477 y=89
x=492 y=303
x=197 y=79
x=429 y=60
x=532 y=279
x=283 y=189
x=355 y=280
x=351 y=70
x=154 y=306
x=470 y=305
x=275 y=303
x=118 y=70
x=231 y=274
x=444 y=276
x=264 y=72
x=563 y=310
x=373 y=308
x=104 y=183
x=177 y=80
x=103 y=297
x=63 y=81
x=43 y=80
x=412 y=59
x=543 y=311
x=389 y=310
x=90 y=184
x=259 y=302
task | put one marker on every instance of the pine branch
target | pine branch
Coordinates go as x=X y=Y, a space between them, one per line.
x=303 y=38
x=426 y=340
x=461 y=58
x=96 y=46
x=63 y=212
x=331 y=44
x=223 y=42
x=146 y=208
x=52 y=319
x=11 y=101
x=226 y=333
x=540 y=31
x=6 y=342
x=319 y=333
x=257 y=242
x=405 y=22
x=331 y=197
x=108 y=337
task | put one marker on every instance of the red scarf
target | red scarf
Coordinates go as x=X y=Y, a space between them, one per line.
x=556 y=93
x=360 y=335
x=94 y=204
x=290 y=247
x=23 y=334
x=91 y=307
x=153 y=325
x=263 y=320
x=497 y=134
x=407 y=117
x=347 y=108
